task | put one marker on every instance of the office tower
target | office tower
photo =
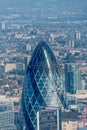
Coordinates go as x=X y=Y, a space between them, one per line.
x=49 y=119
x=28 y=47
x=71 y=43
x=6 y=114
x=72 y=78
x=77 y=35
x=2 y=69
x=42 y=86
x=3 y=25
x=26 y=61
x=67 y=77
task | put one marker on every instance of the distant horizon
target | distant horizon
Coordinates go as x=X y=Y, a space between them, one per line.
x=60 y=4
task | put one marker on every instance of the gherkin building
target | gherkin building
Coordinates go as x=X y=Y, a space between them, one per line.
x=42 y=85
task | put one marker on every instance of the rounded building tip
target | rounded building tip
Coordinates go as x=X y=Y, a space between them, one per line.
x=42 y=44
x=43 y=56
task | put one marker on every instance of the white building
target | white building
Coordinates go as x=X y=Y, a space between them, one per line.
x=6 y=114
x=28 y=47
x=77 y=35
x=3 y=25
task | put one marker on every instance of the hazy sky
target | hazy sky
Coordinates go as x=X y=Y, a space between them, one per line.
x=43 y=3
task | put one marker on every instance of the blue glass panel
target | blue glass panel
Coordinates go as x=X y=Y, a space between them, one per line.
x=38 y=86
x=34 y=85
x=29 y=107
x=32 y=115
x=36 y=106
x=40 y=100
x=37 y=93
x=33 y=100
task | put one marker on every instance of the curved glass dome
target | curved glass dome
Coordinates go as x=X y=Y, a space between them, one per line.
x=42 y=85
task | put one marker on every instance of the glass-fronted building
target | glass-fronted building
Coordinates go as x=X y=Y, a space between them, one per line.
x=72 y=78
x=42 y=85
x=6 y=114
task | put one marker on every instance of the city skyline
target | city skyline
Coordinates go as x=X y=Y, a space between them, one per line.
x=62 y=24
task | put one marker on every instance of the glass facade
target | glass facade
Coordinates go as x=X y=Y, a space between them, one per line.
x=42 y=84
x=72 y=78
x=6 y=114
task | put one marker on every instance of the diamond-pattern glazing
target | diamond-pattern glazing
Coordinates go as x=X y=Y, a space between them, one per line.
x=41 y=82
